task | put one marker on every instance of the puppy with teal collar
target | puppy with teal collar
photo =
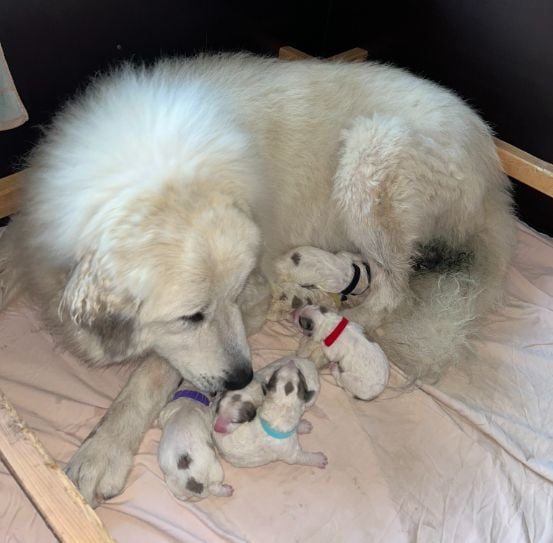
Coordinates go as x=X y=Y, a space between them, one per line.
x=273 y=434
x=186 y=452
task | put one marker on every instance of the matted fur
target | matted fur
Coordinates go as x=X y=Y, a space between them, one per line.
x=155 y=194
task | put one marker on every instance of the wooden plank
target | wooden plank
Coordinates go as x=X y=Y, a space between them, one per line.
x=54 y=496
x=10 y=193
x=290 y=53
x=352 y=55
x=525 y=167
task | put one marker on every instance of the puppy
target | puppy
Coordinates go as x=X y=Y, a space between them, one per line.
x=273 y=434
x=308 y=275
x=358 y=365
x=186 y=451
x=239 y=406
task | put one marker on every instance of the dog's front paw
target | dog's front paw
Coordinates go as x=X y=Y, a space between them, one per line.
x=304 y=427
x=99 y=468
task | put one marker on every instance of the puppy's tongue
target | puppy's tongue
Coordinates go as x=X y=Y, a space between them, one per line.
x=221 y=425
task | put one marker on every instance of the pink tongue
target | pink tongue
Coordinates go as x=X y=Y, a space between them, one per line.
x=221 y=424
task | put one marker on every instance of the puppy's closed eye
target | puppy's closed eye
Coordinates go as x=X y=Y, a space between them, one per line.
x=195 y=318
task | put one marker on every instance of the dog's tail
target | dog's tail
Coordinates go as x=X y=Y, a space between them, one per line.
x=10 y=280
x=432 y=329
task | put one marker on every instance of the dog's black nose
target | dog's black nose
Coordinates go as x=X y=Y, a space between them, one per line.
x=239 y=379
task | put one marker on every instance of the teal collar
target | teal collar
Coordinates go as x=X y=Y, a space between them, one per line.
x=270 y=431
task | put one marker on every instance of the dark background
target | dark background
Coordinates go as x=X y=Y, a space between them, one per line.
x=497 y=54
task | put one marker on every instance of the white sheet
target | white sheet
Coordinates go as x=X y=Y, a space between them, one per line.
x=467 y=460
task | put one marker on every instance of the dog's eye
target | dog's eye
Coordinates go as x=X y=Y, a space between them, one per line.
x=196 y=317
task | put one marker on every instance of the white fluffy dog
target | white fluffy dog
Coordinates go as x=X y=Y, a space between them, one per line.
x=239 y=406
x=359 y=366
x=308 y=275
x=157 y=201
x=273 y=435
x=186 y=451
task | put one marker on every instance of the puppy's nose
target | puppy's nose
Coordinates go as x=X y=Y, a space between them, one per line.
x=239 y=379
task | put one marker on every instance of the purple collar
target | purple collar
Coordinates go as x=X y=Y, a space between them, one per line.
x=193 y=395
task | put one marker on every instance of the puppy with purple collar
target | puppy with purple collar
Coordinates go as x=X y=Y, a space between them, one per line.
x=186 y=452
x=273 y=434
x=358 y=365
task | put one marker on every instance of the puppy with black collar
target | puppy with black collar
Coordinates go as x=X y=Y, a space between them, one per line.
x=358 y=365
x=238 y=406
x=273 y=434
x=186 y=452
x=317 y=277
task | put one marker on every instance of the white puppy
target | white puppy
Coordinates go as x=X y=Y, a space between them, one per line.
x=273 y=434
x=239 y=406
x=186 y=452
x=308 y=275
x=358 y=365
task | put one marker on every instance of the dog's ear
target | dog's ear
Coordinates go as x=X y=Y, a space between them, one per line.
x=93 y=303
x=271 y=383
x=303 y=393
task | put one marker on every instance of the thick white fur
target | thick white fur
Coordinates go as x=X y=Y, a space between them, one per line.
x=239 y=406
x=155 y=194
x=250 y=446
x=186 y=452
x=358 y=365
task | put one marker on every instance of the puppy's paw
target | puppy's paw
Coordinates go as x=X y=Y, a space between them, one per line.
x=304 y=427
x=222 y=490
x=99 y=468
x=320 y=460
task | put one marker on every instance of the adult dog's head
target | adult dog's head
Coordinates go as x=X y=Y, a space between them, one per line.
x=165 y=275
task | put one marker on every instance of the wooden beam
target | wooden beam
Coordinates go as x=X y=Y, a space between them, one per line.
x=10 y=193
x=54 y=496
x=352 y=55
x=290 y=53
x=526 y=168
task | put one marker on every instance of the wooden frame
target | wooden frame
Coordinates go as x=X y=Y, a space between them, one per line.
x=54 y=496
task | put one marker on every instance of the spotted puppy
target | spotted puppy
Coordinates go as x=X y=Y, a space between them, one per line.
x=186 y=451
x=358 y=365
x=273 y=434
x=308 y=275
x=238 y=406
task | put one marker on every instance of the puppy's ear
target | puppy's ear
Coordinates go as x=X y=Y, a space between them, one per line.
x=92 y=302
x=303 y=394
x=270 y=386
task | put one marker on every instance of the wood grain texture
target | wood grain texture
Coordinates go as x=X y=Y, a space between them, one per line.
x=54 y=496
x=10 y=193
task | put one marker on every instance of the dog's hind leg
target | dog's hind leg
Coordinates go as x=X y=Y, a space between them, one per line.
x=100 y=467
x=317 y=459
x=388 y=192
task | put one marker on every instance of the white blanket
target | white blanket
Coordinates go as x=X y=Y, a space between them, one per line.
x=467 y=460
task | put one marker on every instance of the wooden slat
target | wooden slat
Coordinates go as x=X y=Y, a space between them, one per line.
x=290 y=53
x=10 y=193
x=55 y=497
x=352 y=55
x=525 y=167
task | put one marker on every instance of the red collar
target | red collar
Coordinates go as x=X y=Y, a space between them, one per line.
x=335 y=334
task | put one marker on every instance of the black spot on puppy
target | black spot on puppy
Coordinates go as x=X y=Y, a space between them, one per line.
x=296 y=302
x=283 y=297
x=271 y=384
x=247 y=412
x=194 y=486
x=323 y=309
x=236 y=397
x=309 y=301
x=184 y=461
x=288 y=388
x=296 y=257
x=306 y=324
x=303 y=394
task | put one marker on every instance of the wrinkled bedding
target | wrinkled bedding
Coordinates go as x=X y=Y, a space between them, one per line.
x=469 y=459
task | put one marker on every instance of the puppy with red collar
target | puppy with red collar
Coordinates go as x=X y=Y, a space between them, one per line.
x=357 y=364
x=273 y=433
x=186 y=452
